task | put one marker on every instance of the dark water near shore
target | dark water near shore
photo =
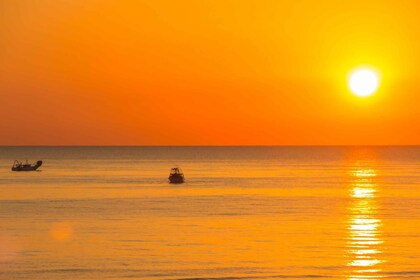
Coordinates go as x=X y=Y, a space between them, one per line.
x=244 y=213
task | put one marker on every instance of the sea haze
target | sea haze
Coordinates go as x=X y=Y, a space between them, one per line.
x=243 y=213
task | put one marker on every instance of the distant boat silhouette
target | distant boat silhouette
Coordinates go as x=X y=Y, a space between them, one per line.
x=176 y=176
x=19 y=166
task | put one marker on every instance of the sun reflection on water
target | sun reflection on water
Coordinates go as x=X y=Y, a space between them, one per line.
x=364 y=228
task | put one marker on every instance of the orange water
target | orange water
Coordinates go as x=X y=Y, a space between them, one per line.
x=244 y=212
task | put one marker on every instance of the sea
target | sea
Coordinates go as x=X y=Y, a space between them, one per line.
x=242 y=213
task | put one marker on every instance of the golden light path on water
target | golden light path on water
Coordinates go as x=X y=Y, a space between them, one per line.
x=364 y=227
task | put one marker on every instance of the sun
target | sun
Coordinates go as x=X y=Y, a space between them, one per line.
x=363 y=82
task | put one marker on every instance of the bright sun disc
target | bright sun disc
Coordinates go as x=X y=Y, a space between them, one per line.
x=363 y=82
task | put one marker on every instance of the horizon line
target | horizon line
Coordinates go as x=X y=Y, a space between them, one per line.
x=344 y=145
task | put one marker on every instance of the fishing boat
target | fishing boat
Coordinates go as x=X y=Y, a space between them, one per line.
x=176 y=176
x=19 y=166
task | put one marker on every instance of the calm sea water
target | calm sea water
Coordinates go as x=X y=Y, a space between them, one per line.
x=243 y=213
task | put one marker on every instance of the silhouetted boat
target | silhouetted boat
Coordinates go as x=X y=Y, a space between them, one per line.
x=176 y=176
x=19 y=166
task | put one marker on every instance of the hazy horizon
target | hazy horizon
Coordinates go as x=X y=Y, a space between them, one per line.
x=373 y=145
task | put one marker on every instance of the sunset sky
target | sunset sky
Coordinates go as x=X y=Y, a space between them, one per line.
x=207 y=72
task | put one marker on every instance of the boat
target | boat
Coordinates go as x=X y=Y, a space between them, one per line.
x=19 y=166
x=176 y=176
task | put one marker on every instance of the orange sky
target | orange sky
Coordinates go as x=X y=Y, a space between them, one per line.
x=207 y=72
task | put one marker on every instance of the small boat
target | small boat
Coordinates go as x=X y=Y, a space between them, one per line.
x=19 y=166
x=176 y=176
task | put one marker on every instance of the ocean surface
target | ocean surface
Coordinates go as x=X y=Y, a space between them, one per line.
x=243 y=213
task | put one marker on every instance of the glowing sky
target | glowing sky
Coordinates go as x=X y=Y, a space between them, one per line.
x=207 y=72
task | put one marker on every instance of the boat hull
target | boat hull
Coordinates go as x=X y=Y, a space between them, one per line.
x=176 y=179
x=29 y=168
